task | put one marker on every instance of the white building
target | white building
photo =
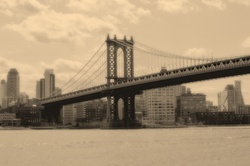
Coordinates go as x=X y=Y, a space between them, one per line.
x=160 y=105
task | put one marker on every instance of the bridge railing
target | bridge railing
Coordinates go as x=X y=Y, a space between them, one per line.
x=204 y=68
x=208 y=67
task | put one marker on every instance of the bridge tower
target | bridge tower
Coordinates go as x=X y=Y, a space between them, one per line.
x=112 y=66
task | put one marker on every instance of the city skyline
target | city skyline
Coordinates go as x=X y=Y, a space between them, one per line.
x=75 y=28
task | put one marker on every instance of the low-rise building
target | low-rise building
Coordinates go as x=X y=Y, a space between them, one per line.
x=188 y=104
x=9 y=119
x=220 y=118
x=29 y=116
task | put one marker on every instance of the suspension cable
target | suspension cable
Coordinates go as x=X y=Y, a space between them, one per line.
x=87 y=70
x=61 y=88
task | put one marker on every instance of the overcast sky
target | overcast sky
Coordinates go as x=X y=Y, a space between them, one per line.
x=62 y=34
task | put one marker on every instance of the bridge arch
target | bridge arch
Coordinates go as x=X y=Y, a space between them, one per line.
x=114 y=47
x=120 y=62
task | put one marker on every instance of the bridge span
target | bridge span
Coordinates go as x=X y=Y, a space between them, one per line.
x=128 y=86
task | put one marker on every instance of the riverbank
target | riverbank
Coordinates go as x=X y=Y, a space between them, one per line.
x=94 y=127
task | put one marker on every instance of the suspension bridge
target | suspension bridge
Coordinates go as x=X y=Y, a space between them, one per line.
x=124 y=68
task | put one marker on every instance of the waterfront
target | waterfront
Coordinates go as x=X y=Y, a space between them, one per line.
x=177 y=146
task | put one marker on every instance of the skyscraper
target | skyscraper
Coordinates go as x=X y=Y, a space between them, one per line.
x=49 y=82
x=239 y=101
x=38 y=90
x=231 y=99
x=42 y=88
x=13 y=85
x=3 y=91
x=226 y=99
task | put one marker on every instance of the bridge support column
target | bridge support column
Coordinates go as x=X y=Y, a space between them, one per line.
x=112 y=108
x=52 y=114
x=128 y=120
x=129 y=107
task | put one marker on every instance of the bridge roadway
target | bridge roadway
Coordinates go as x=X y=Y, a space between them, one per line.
x=219 y=69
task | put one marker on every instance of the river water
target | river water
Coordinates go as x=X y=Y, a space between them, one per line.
x=167 y=147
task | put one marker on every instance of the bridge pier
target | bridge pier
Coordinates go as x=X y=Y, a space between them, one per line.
x=52 y=114
x=129 y=120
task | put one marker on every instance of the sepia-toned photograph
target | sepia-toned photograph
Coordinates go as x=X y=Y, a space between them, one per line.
x=124 y=82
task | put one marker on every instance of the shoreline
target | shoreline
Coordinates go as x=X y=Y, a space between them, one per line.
x=144 y=127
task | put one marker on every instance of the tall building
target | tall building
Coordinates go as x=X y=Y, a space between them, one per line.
x=239 y=101
x=189 y=103
x=160 y=105
x=226 y=99
x=3 y=91
x=38 y=90
x=49 y=82
x=231 y=99
x=42 y=88
x=13 y=85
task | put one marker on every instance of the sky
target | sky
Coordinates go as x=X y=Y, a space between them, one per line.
x=64 y=34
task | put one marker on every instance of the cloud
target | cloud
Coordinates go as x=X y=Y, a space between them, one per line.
x=79 y=22
x=63 y=66
x=120 y=9
x=21 y=7
x=177 y=6
x=143 y=12
x=185 y=6
x=197 y=52
x=59 y=27
x=215 y=3
x=246 y=43
x=241 y=2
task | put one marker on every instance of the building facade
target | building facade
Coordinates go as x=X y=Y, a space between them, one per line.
x=29 y=116
x=68 y=114
x=80 y=114
x=231 y=99
x=3 y=92
x=160 y=105
x=38 y=89
x=13 y=83
x=188 y=104
x=95 y=110
x=9 y=119
x=42 y=88
x=49 y=82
